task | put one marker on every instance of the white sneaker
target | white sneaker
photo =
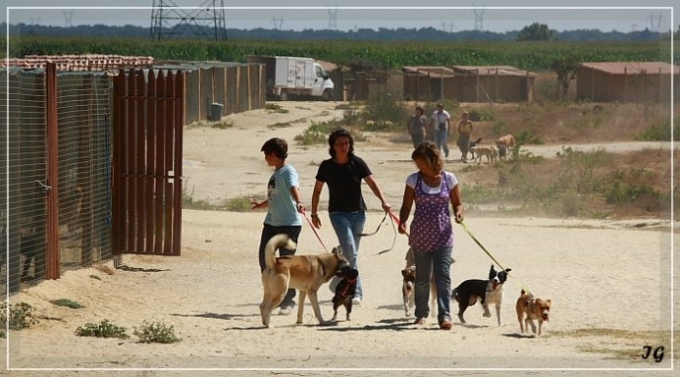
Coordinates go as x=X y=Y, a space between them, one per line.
x=356 y=301
x=285 y=310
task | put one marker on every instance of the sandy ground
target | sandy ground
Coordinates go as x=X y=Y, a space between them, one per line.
x=609 y=279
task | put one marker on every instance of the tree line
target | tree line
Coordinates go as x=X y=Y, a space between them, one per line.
x=534 y=31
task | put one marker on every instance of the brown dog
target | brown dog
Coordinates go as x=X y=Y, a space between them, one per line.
x=532 y=308
x=504 y=143
x=305 y=273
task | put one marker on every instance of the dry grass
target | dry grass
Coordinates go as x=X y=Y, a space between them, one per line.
x=620 y=344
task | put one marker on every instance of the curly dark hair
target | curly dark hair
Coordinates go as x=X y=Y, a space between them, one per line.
x=340 y=132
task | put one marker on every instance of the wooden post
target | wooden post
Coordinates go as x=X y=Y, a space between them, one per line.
x=52 y=242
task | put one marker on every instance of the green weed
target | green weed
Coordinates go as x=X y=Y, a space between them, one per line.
x=156 y=332
x=104 y=329
x=66 y=302
x=21 y=315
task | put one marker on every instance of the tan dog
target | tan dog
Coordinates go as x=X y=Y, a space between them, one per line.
x=483 y=150
x=533 y=308
x=504 y=143
x=305 y=273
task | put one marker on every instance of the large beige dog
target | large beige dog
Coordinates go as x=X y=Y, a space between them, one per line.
x=305 y=273
x=504 y=143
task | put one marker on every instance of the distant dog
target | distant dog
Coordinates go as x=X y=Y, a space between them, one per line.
x=471 y=145
x=487 y=291
x=305 y=273
x=409 y=283
x=504 y=143
x=489 y=151
x=345 y=290
x=533 y=308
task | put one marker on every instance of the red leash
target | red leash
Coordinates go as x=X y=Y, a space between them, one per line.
x=396 y=220
x=311 y=225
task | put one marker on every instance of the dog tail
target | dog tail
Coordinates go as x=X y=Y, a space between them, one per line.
x=274 y=243
x=523 y=292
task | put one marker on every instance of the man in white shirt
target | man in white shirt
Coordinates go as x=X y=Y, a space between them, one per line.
x=441 y=123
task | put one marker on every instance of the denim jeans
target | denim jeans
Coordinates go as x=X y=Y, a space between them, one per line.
x=348 y=226
x=269 y=231
x=440 y=262
x=442 y=141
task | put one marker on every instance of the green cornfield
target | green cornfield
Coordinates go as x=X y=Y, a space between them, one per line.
x=536 y=56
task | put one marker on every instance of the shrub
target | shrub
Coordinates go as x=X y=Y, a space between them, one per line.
x=156 y=332
x=482 y=115
x=21 y=315
x=67 y=302
x=104 y=329
x=660 y=132
x=237 y=204
x=384 y=107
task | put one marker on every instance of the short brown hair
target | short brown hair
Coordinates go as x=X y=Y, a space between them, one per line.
x=277 y=146
x=429 y=152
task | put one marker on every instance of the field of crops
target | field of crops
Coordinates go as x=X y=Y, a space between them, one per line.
x=535 y=56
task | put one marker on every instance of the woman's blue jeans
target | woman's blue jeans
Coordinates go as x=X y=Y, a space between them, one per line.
x=439 y=262
x=442 y=141
x=348 y=226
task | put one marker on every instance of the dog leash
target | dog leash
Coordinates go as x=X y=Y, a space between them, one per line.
x=522 y=286
x=394 y=240
x=311 y=225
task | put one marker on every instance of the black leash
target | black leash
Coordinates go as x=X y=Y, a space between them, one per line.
x=394 y=240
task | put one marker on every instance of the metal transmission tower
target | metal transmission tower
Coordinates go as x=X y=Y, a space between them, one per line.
x=479 y=18
x=278 y=23
x=655 y=27
x=448 y=27
x=170 y=21
x=333 y=18
x=68 y=18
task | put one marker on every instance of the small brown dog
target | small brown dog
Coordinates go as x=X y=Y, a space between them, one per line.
x=532 y=308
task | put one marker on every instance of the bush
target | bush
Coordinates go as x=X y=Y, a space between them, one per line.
x=21 y=315
x=482 y=115
x=661 y=132
x=104 y=329
x=156 y=333
x=67 y=302
x=384 y=107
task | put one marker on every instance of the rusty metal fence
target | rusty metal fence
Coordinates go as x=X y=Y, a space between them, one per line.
x=57 y=152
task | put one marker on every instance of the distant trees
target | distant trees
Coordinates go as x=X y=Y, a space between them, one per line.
x=567 y=69
x=536 y=32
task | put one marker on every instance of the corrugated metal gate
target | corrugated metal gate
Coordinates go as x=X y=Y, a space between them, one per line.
x=147 y=154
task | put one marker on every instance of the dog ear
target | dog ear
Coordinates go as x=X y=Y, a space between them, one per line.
x=404 y=272
x=508 y=269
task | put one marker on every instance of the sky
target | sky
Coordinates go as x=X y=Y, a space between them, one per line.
x=490 y=15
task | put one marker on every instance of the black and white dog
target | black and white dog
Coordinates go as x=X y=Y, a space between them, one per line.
x=487 y=291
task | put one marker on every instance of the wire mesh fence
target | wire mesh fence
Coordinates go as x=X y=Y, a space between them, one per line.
x=84 y=208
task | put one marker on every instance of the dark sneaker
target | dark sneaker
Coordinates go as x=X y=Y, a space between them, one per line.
x=445 y=325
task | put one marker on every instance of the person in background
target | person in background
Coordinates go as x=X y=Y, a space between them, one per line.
x=284 y=206
x=441 y=122
x=343 y=173
x=431 y=188
x=464 y=132
x=417 y=126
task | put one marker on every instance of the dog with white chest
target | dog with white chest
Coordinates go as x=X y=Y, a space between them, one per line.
x=486 y=291
x=306 y=273
x=530 y=308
